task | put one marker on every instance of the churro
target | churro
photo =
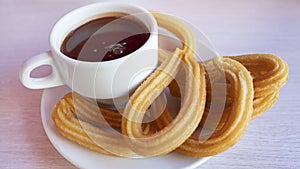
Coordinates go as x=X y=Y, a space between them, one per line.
x=238 y=119
x=85 y=133
x=269 y=74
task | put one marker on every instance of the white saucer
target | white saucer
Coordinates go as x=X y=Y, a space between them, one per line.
x=85 y=158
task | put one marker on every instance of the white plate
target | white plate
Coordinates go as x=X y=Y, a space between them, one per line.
x=85 y=158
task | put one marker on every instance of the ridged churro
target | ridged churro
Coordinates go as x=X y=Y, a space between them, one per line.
x=269 y=74
x=238 y=120
x=85 y=133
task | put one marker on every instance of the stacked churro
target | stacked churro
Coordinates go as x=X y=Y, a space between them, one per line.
x=246 y=86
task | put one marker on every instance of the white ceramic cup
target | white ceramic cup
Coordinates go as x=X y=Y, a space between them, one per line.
x=99 y=80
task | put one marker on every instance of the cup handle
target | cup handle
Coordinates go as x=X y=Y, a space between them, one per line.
x=51 y=80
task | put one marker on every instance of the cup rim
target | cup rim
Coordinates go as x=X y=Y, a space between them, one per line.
x=153 y=29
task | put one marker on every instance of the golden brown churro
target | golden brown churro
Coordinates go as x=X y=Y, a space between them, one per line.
x=238 y=119
x=84 y=133
x=269 y=74
x=192 y=108
x=222 y=94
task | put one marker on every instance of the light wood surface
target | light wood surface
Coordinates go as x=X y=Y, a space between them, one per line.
x=234 y=26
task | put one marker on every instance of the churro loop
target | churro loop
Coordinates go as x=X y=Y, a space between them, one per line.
x=192 y=108
x=269 y=74
x=238 y=119
x=84 y=133
x=190 y=113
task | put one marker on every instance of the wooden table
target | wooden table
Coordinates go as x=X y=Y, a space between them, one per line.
x=235 y=27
